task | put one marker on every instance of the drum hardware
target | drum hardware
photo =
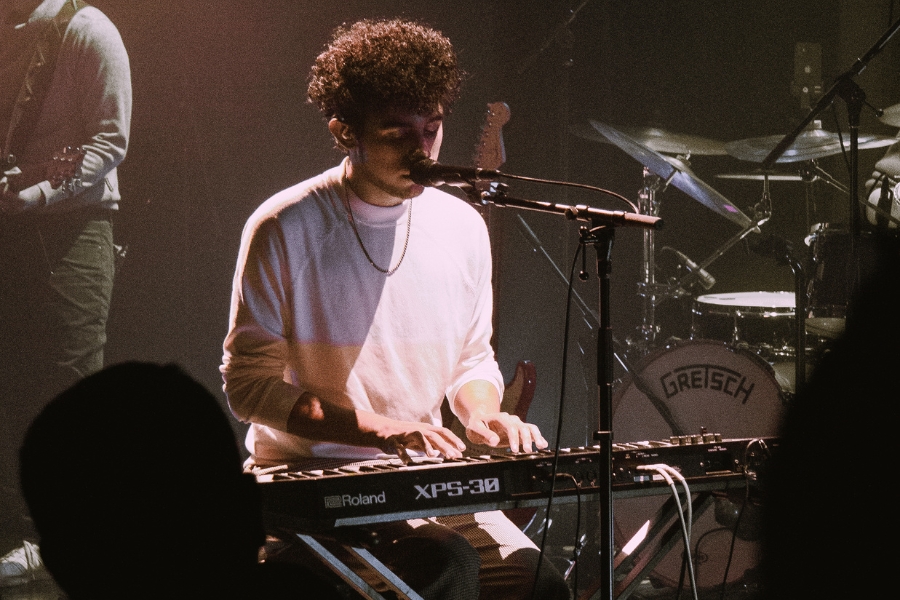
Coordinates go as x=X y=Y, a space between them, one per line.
x=808 y=172
x=810 y=144
x=753 y=227
x=854 y=97
x=650 y=292
x=659 y=172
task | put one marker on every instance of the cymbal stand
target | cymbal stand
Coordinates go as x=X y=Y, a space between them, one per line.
x=810 y=171
x=650 y=292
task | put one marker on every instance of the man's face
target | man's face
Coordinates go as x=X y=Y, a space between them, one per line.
x=380 y=159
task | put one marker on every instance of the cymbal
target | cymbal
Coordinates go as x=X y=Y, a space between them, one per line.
x=809 y=145
x=660 y=140
x=676 y=173
x=762 y=176
x=891 y=116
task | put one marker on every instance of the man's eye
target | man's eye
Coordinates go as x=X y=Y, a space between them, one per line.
x=431 y=134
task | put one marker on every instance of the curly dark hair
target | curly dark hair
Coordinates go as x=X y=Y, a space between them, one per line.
x=372 y=65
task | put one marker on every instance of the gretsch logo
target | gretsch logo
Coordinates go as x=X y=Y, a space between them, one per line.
x=708 y=377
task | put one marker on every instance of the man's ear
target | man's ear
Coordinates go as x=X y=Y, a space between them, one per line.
x=343 y=134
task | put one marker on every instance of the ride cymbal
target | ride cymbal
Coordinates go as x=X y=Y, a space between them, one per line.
x=809 y=145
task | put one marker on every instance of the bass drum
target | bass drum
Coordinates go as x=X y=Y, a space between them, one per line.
x=696 y=384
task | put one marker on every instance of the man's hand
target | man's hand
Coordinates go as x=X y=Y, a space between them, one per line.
x=500 y=428
x=396 y=437
x=316 y=419
x=12 y=203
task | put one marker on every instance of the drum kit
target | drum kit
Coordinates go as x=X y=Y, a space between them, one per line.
x=761 y=324
x=748 y=338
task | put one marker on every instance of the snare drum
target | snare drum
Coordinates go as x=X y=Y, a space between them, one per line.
x=695 y=384
x=761 y=321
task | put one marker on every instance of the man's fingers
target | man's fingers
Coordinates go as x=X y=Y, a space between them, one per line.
x=480 y=433
x=504 y=428
x=539 y=441
x=432 y=441
x=443 y=441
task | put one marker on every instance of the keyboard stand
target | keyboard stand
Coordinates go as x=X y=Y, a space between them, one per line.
x=397 y=585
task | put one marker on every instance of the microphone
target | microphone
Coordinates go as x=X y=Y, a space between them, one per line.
x=424 y=171
x=702 y=276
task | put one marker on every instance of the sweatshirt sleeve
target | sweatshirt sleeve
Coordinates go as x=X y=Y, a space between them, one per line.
x=94 y=57
x=256 y=347
x=477 y=360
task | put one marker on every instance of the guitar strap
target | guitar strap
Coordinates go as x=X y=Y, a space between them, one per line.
x=37 y=80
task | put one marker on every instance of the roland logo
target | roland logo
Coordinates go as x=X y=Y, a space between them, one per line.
x=351 y=500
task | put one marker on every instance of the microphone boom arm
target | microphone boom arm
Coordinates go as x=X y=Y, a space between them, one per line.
x=616 y=218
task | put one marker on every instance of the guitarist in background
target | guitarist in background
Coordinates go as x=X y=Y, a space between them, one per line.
x=362 y=299
x=65 y=81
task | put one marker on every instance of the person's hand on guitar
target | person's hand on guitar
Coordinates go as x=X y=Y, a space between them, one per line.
x=13 y=203
x=18 y=187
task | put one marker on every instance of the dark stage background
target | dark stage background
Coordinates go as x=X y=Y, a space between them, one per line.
x=220 y=123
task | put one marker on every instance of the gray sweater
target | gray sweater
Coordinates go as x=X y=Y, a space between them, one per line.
x=87 y=104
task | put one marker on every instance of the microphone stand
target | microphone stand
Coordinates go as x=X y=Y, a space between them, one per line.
x=600 y=234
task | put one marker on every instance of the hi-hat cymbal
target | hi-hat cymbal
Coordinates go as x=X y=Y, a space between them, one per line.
x=762 y=176
x=660 y=140
x=676 y=173
x=809 y=145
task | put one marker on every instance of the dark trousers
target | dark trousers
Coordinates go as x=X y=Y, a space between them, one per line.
x=56 y=279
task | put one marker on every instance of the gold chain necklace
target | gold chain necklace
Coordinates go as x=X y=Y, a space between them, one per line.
x=345 y=186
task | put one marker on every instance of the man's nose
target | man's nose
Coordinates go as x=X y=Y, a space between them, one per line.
x=423 y=143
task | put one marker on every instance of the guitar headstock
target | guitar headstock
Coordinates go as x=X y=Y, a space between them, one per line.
x=63 y=169
x=490 y=152
x=65 y=166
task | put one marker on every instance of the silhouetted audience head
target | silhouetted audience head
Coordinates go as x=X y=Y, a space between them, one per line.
x=134 y=481
x=827 y=516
